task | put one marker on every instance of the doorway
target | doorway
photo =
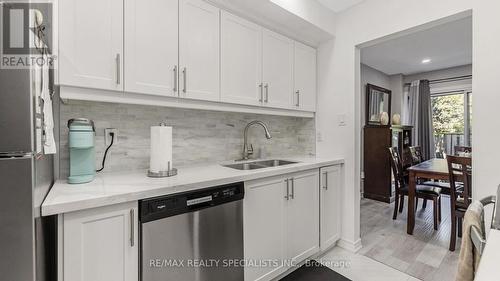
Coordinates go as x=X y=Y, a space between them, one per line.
x=400 y=64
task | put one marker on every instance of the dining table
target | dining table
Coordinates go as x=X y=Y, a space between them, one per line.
x=432 y=169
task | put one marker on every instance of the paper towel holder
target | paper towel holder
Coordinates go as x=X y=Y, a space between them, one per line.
x=162 y=174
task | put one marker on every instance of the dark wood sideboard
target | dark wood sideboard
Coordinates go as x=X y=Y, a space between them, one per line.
x=376 y=162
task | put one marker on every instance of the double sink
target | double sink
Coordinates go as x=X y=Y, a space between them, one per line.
x=259 y=164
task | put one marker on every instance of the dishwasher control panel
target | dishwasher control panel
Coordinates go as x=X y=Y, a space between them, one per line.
x=175 y=204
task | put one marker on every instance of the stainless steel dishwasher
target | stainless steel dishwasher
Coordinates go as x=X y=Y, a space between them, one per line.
x=193 y=236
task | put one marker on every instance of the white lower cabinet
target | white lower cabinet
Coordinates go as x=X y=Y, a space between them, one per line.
x=264 y=227
x=303 y=216
x=286 y=219
x=330 y=192
x=281 y=223
x=101 y=244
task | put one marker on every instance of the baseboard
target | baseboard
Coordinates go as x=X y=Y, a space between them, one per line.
x=377 y=197
x=349 y=245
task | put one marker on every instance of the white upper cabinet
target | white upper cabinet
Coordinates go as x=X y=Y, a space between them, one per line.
x=241 y=60
x=277 y=60
x=330 y=192
x=91 y=43
x=151 y=46
x=304 y=77
x=188 y=49
x=199 y=50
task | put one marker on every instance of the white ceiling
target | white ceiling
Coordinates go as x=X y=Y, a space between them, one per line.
x=447 y=45
x=339 y=5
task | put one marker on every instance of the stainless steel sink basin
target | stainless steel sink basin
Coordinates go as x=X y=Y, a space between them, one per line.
x=259 y=164
x=274 y=163
x=244 y=166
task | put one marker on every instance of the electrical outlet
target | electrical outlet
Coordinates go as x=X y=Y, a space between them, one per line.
x=107 y=136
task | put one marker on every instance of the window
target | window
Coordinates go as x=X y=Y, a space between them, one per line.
x=451 y=120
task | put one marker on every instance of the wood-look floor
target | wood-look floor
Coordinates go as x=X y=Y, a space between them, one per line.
x=423 y=255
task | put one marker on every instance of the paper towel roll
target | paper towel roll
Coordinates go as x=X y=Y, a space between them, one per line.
x=161 y=149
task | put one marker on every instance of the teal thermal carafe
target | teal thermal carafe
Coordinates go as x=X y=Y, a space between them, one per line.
x=81 y=150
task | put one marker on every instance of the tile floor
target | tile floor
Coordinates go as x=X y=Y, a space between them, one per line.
x=389 y=253
x=361 y=268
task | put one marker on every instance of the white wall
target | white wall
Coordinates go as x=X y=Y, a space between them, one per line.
x=339 y=86
x=311 y=11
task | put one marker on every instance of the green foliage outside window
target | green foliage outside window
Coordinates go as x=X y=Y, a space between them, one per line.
x=448 y=114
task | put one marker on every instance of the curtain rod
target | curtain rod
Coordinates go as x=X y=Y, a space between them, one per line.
x=449 y=79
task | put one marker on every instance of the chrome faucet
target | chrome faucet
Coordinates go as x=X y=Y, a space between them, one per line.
x=247 y=151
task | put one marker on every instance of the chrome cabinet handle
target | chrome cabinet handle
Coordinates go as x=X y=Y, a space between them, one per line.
x=267 y=92
x=261 y=93
x=293 y=189
x=287 y=190
x=132 y=228
x=175 y=79
x=184 y=74
x=326 y=180
x=298 y=98
x=117 y=62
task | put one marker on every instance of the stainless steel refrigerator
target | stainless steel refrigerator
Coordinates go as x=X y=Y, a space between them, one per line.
x=27 y=240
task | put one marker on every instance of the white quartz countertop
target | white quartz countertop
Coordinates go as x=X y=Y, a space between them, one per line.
x=120 y=187
x=488 y=266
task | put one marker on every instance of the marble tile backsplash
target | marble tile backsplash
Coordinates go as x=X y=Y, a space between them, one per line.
x=199 y=136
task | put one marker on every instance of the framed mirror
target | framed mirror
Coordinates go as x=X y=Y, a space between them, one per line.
x=378 y=101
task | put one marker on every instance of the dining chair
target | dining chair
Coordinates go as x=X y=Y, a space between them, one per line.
x=416 y=154
x=422 y=191
x=460 y=170
x=462 y=149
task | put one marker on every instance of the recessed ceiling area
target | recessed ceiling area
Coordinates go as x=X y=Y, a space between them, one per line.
x=339 y=5
x=443 y=46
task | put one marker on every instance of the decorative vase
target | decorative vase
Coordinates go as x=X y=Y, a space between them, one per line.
x=384 y=118
x=396 y=119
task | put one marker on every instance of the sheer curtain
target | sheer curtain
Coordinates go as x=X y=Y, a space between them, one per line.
x=417 y=112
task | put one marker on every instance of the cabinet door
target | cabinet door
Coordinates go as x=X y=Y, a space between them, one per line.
x=241 y=60
x=101 y=244
x=303 y=215
x=304 y=77
x=277 y=70
x=151 y=47
x=330 y=185
x=91 y=43
x=264 y=226
x=199 y=50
